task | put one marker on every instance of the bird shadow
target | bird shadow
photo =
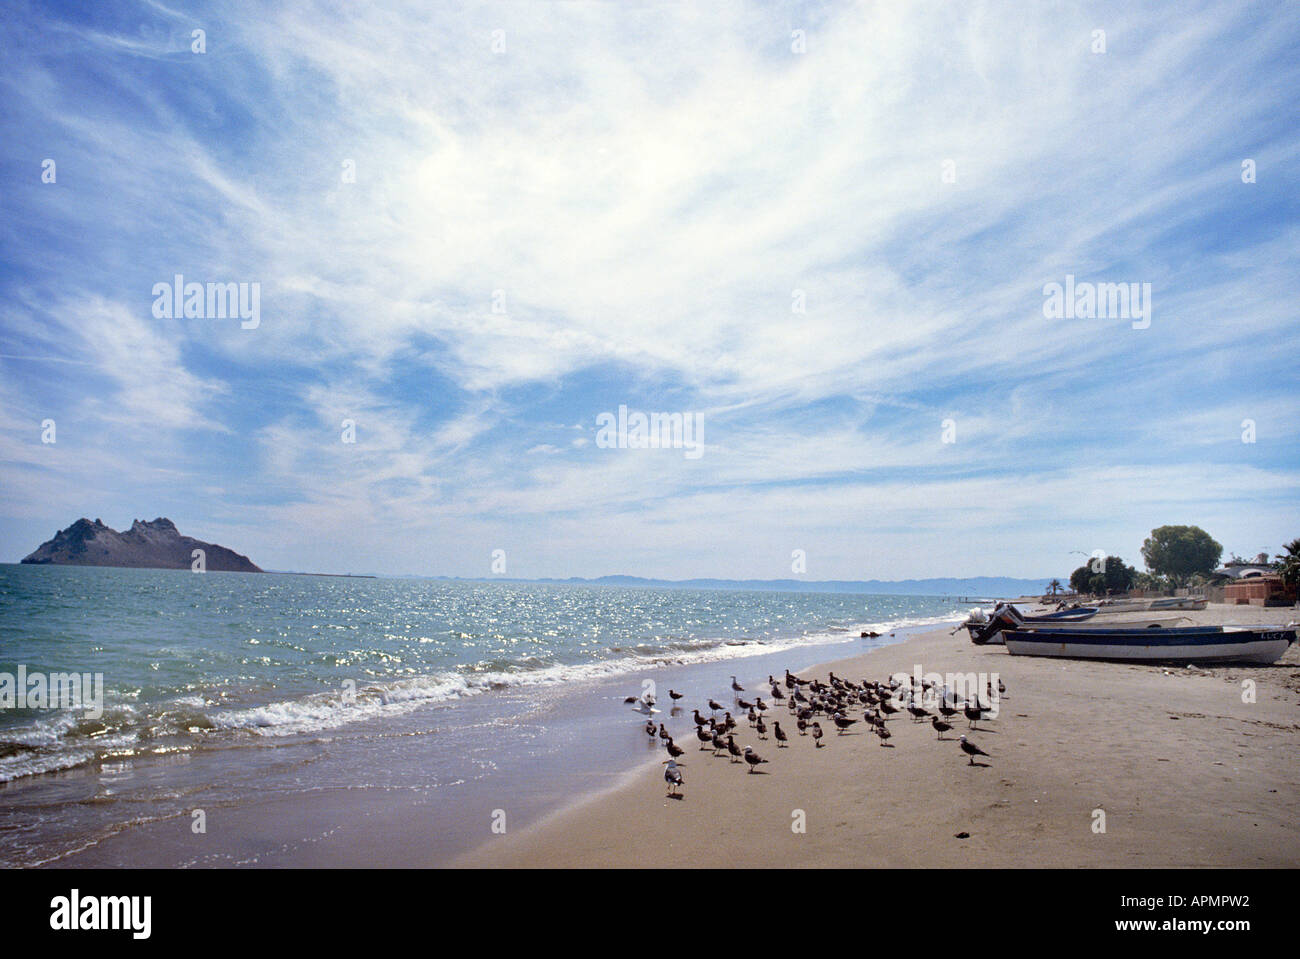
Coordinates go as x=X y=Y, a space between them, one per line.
x=678 y=796
x=980 y=765
x=757 y=772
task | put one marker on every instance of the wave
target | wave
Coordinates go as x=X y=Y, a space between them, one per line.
x=66 y=740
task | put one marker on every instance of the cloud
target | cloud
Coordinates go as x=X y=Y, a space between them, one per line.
x=670 y=209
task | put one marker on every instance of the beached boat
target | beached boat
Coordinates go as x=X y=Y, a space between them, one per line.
x=1200 y=644
x=986 y=629
x=1108 y=606
x=1179 y=602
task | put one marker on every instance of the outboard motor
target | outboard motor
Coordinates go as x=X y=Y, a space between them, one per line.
x=1005 y=616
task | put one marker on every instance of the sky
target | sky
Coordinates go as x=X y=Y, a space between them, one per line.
x=823 y=232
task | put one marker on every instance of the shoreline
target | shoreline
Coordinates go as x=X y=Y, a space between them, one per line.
x=1176 y=766
x=537 y=750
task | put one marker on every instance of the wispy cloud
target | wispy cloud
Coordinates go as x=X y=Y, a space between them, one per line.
x=472 y=225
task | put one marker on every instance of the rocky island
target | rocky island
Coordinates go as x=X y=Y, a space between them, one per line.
x=154 y=545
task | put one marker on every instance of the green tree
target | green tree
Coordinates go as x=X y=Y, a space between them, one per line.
x=1149 y=581
x=1288 y=565
x=1180 y=551
x=1054 y=587
x=1102 y=576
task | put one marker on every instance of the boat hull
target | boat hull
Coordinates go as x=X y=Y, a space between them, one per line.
x=1213 y=645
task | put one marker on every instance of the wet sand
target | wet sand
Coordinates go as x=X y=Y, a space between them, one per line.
x=1177 y=764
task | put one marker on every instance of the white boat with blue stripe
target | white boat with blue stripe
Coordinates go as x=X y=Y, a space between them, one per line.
x=1182 y=644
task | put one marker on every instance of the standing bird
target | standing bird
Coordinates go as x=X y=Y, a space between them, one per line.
x=663 y=733
x=753 y=758
x=716 y=706
x=673 y=749
x=940 y=726
x=761 y=727
x=704 y=736
x=779 y=733
x=700 y=720
x=883 y=732
x=817 y=734
x=673 y=776
x=973 y=715
x=842 y=722
x=675 y=694
x=971 y=750
x=735 y=686
x=651 y=730
x=732 y=748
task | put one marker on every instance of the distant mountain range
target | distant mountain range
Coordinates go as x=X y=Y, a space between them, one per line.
x=153 y=545
x=974 y=586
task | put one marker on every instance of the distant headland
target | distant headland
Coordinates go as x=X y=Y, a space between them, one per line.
x=153 y=545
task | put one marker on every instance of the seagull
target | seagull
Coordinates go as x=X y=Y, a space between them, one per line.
x=817 y=734
x=716 y=706
x=673 y=775
x=704 y=736
x=971 y=750
x=843 y=722
x=883 y=732
x=663 y=733
x=673 y=749
x=700 y=720
x=940 y=726
x=675 y=695
x=761 y=727
x=733 y=749
x=973 y=714
x=753 y=758
x=735 y=686
x=779 y=733
x=719 y=744
x=917 y=713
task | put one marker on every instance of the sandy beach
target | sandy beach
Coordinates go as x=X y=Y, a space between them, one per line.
x=1182 y=766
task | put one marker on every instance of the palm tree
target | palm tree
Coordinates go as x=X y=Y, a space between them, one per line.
x=1054 y=586
x=1288 y=565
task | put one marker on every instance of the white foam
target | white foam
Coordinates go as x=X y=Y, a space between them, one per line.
x=322 y=711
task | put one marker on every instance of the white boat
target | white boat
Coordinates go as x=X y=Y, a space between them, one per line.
x=1179 y=602
x=986 y=630
x=1200 y=644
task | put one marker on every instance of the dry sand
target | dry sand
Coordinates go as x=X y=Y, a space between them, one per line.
x=1186 y=772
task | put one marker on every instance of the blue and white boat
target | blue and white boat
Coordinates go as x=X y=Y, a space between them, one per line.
x=1184 y=644
x=986 y=629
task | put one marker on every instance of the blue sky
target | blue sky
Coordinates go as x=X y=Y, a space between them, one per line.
x=642 y=191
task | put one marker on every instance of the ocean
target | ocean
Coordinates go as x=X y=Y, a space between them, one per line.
x=289 y=709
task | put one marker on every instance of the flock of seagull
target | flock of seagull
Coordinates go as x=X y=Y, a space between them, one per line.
x=808 y=702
